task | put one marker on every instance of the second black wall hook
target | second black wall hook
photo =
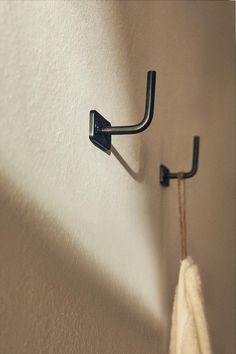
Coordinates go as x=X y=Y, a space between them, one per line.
x=166 y=175
x=100 y=129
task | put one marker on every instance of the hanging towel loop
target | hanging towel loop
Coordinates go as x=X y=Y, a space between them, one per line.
x=182 y=214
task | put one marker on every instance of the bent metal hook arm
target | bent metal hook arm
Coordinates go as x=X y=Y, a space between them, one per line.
x=101 y=130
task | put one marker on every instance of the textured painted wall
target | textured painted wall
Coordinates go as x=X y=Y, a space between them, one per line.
x=89 y=242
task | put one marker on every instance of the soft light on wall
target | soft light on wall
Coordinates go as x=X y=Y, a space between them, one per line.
x=89 y=242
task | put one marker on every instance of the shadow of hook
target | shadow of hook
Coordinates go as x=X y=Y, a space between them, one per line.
x=137 y=176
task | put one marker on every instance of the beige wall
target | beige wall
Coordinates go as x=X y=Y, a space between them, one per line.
x=89 y=243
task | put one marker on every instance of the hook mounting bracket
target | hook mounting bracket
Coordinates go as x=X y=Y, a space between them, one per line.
x=96 y=124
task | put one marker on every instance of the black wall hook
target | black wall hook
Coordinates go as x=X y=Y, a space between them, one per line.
x=100 y=130
x=165 y=173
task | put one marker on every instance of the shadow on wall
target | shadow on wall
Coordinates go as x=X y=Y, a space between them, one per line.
x=139 y=175
x=54 y=286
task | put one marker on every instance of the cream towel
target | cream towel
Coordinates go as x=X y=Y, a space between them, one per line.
x=189 y=333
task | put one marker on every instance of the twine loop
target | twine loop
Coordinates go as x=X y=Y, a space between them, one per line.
x=182 y=214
